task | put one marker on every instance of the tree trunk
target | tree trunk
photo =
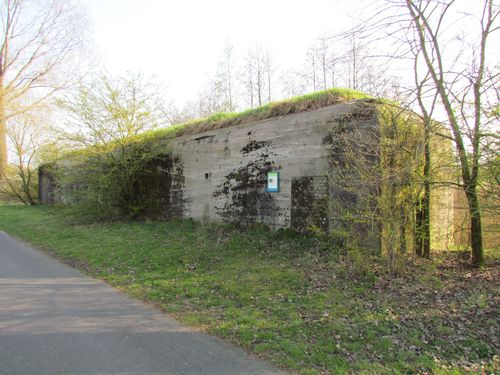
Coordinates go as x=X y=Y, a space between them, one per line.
x=3 y=135
x=418 y=228
x=476 y=234
x=402 y=230
x=426 y=201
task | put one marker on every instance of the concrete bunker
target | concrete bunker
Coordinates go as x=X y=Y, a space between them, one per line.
x=221 y=174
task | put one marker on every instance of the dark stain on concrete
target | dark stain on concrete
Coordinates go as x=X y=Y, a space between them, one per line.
x=158 y=190
x=243 y=195
x=254 y=146
x=47 y=184
x=309 y=207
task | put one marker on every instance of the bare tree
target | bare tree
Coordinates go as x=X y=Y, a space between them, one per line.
x=212 y=99
x=228 y=69
x=37 y=38
x=27 y=135
x=218 y=93
x=453 y=74
x=461 y=93
x=247 y=76
x=269 y=71
x=221 y=87
x=311 y=70
x=348 y=53
x=259 y=70
x=292 y=83
x=256 y=76
x=354 y=61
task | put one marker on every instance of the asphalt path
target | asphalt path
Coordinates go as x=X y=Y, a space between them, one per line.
x=55 y=320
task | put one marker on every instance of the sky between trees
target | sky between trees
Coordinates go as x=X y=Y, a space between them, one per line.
x=181 y=43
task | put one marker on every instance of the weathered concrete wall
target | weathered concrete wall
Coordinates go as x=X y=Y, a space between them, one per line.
x=47 y=186
x=442 y=202
x=225 y=170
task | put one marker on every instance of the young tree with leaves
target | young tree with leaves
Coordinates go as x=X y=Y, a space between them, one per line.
x=105 y=116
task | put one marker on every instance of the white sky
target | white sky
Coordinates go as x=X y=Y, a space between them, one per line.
x=180 y=42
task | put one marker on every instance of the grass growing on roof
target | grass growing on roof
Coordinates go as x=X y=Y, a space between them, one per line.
x=302 y=103
x=307 y=102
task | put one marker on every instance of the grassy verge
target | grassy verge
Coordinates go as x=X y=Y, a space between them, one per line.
x=292 y=300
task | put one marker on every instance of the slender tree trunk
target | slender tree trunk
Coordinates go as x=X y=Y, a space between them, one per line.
x=250 y=83
x=3 y=133
x=323 y=63
x=476 y=228
x=269 y=84
x=402 y=230
x=314 y=72
x=418 y=228
x=229 y=83
x=354 y=65
x=426 y=201
x=423 y=213
x=259 y=86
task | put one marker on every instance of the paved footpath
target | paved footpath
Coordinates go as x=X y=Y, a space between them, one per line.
x=54 y=320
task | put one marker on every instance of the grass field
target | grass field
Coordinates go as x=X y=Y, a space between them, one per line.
x=296 y=301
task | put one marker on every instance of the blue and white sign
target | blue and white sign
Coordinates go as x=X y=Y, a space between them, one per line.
x=273 y=182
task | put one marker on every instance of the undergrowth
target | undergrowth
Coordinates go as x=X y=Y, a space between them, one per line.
x=297 y=301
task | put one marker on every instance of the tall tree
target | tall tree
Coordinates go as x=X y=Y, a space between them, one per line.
x=269 y=70
x=311 y=70
x=461 y=99
x=454 y=77
x=256 y=76
x=27 y=135
x=228 y=66
x=37 y=38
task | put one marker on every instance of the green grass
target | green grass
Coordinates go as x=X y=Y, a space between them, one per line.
x=302 y=103
x=294 y=300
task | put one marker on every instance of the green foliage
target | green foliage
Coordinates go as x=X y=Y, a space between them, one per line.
x=401 y=163
x=109 y=111
x=105 y=184
x=113 y=117
x=102 y=177
x=297 y=104
x=375 y=177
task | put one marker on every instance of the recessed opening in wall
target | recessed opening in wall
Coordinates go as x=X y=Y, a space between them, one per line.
x=207 y=175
